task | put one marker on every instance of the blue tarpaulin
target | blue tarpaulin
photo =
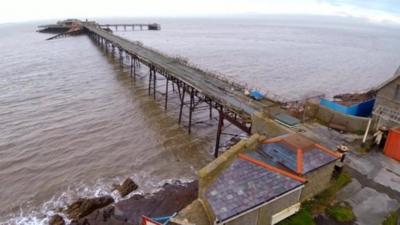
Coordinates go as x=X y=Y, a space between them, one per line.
x=256 y=95
x=360 y=109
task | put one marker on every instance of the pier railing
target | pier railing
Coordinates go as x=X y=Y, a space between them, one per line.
x=196 y=88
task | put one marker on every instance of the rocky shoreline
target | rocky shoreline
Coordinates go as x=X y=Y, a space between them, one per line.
x=104 y=211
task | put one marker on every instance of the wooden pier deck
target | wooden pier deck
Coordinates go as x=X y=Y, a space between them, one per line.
x=229 y=99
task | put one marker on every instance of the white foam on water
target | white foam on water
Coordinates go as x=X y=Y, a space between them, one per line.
x=41 y=215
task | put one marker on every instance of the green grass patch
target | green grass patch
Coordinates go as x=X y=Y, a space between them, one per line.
x=303 y=217
x=340 y=212
x=319 y=203
x=362 y=150
x=323 y=199
x=392 y=219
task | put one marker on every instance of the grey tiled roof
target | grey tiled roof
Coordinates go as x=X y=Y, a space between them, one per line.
x=244 y=185
x=281 y=153
x=315 y=158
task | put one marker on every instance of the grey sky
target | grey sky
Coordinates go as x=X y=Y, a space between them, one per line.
x=24 y=10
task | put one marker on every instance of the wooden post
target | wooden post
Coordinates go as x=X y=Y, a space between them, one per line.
x=367 y=131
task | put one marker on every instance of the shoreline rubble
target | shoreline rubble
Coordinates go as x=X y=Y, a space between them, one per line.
x=171 y=198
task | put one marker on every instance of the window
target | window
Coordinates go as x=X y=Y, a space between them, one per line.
x=397 y=93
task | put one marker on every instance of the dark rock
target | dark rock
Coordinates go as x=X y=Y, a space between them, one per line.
x=59 y=210
x=127 y=187
x=74 y=222
x=172 y=198
x=56 y=220
x=84 y=207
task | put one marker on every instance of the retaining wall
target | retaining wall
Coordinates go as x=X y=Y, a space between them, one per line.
x=353 y=124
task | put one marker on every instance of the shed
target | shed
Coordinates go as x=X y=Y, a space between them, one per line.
x=392 y=146
x=387 y=105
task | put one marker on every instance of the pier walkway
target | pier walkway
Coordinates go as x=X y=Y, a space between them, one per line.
x=201 y=87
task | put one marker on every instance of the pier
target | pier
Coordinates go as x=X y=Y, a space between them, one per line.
x=132 y=27
x=197 y=89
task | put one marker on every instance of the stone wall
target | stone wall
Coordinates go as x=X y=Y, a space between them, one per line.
x=263 y=125
x=317 y=181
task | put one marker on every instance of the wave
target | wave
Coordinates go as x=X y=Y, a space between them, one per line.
x=41 y=214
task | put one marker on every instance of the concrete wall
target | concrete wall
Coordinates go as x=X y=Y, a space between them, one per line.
x=317 y=181
x=263 y=215
x=352 y=123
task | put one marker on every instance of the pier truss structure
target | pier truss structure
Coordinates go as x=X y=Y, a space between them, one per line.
x=197 y=89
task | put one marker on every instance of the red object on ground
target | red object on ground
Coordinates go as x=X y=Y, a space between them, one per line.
x=392 y=146
x=148 y=221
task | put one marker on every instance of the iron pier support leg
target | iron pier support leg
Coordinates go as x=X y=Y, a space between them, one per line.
x=131 y=65
x=210 y=104
x=166 y=94
x=121 y=58
x=182 y=98
x=191 y=110
x=151 y=74
x=134 y=69
x=154 y=83
x=219 y=131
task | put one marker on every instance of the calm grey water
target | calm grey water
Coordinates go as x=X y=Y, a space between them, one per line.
x=72 y=122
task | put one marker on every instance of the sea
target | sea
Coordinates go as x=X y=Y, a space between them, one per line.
x=72 y=121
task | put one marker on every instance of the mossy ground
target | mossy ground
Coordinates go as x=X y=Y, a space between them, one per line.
x=319 y=204
x=392 y=219
x=340 y=212
x=303 y=217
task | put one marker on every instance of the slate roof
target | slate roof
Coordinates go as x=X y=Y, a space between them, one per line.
x=284 y=152
x=390 y=80
x=281 y=153
x=243 y=186
x=315 y=158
